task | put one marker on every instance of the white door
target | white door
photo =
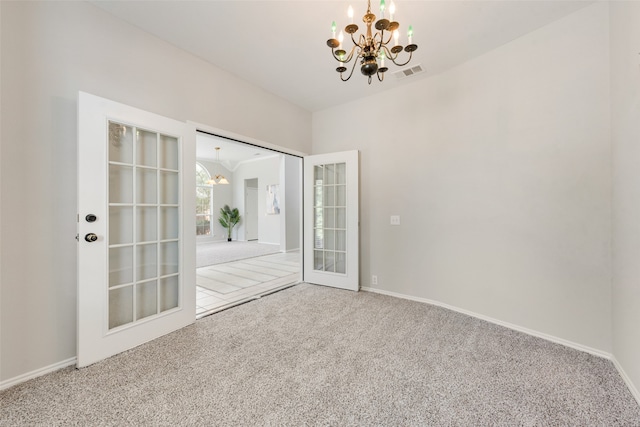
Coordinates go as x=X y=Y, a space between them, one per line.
x=136 y=240
x=251 y=214
x=331 y=222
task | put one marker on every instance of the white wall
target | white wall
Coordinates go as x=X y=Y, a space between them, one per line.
x=625 y=121
x=222 y=195
x=50 y=51
x=501 y=172
x=267 y=171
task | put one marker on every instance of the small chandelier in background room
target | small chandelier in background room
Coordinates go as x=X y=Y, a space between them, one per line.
x=218 y=179
x=372 y=48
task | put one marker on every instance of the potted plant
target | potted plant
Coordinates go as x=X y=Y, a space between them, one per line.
x=228 y=219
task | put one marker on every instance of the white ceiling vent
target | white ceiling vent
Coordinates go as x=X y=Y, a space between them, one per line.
x=408 y=72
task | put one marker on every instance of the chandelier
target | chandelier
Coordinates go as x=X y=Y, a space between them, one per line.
x=371 y=48
x=218 y=179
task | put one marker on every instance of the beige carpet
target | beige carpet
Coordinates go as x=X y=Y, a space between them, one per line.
x=310 y=355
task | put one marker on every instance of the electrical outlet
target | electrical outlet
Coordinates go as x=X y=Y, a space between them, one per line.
x=374 y=279
x=395 y=219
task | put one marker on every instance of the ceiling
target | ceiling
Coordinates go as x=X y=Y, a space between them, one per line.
x=232 y=153
x=280 y=46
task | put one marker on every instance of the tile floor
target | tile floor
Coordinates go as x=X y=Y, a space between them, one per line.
x=224 y=285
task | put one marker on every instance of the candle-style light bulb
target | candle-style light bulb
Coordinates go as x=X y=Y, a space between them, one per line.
x=392 y=10
x=350 y=13
x=396 y=37
x=410 y=34
x=340 y=38
x=333 y=29
x=382 y=59
x=382 y=7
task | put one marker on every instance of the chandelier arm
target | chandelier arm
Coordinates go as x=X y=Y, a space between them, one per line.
x=403 y=64
x=350 y=74
x=378 y=43
x=363 y=40
x=378 y=35
x=390 y=37
x=353 y=40
x=346 y=58
x=388 y=54
x=380 y=74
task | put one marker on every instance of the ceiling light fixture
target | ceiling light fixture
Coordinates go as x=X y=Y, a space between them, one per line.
x=218 y=179
x=371 y=47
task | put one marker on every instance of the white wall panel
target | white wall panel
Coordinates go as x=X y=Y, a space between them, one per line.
x=625 y=121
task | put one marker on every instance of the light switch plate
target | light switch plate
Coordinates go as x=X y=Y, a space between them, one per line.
x=395 y=219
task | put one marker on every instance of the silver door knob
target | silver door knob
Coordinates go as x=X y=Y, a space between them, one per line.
x=91 y=237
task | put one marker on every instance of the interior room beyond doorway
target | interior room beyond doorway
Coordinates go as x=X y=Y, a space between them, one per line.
x=263 y=253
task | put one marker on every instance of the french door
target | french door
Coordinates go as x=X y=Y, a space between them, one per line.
x=331 y=220
x=136 y=240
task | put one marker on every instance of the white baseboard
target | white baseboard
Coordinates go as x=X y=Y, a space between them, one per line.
x=532 y=332
x=37 y=373
x=632 y=388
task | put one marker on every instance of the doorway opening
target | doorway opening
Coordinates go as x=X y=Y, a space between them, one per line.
x=264 y=253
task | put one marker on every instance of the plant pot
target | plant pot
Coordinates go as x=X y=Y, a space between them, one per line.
x=228 y=239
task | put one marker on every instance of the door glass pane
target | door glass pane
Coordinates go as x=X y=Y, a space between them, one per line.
x=146 y=148
x=168 y=223
x=318 y=239
x=146 y=224
x=329 y=239
x=329 y=261
x=329 y=219
x=120 y=184
x=120 y=306
x=120 y=143
x=169 y=188
x=120 y=225
x=329 y=174
x=146 y=299
x=168 y=258
x=146 y=261
x=341 y=195
x=341 y=240
x=318 y=173
x=341 y=173
x=317 y=218
x=329 y=196
x=341 y=265
x=168 y=152
x=146 y=186
x=341 y=218
x=318 y=260
x=120 y=265
x=168 y=293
